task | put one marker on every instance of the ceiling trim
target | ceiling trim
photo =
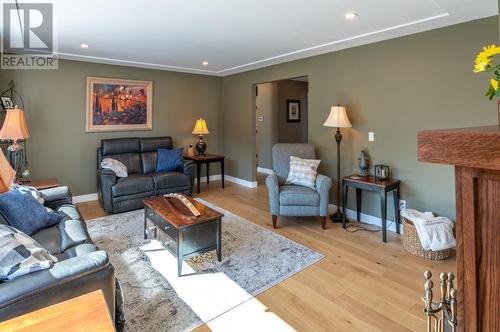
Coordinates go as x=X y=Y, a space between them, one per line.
x=425 y=24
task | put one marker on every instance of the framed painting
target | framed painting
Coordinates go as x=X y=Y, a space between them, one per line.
x=292 y=110
x=118 y=105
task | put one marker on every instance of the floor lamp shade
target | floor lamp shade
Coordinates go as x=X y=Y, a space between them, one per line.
x=15 y=127
x=337 y=118
x=7 y=174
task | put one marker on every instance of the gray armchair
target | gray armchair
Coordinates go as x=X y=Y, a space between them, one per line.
x=292 y=200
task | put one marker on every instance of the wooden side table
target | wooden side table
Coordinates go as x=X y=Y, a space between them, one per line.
x=88 y=312
x=371 y=184
x=44 y=183
x=209 y=158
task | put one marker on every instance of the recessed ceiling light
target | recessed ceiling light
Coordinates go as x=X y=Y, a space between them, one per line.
x=84 y=46
x=205 y=63
x=350 y=16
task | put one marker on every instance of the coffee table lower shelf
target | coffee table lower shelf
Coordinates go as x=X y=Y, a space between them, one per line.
x=188 y=241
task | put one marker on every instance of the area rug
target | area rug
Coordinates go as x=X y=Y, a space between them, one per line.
x=155 y=299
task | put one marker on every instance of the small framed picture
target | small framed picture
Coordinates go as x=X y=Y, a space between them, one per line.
x=7 y=102
x=292 y=110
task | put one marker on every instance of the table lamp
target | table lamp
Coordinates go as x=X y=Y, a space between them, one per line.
x=200 y=129
x=337 y=119
x=15 y=129
x=7 y=174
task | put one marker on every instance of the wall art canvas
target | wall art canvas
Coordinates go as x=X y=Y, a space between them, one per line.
x=292 y=110
x=119 y=105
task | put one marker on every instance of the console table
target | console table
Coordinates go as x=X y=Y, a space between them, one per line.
x=207 y=159
x=475 y=153
x=370 y=183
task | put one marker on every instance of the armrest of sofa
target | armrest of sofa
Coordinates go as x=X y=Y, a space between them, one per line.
x=189 y=168
x=323 y=186
x=65 y=280
x=106 y=179
x=274 y=192
x=55 y=197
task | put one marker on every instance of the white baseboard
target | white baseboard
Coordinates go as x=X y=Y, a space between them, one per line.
x=249 y=184
x=367 y=219
x=85 y=198
x=264 y=170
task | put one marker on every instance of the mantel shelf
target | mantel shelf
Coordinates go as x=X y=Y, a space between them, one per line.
x=477 y=147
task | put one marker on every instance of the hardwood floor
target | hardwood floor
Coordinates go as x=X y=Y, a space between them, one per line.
x=363 y=284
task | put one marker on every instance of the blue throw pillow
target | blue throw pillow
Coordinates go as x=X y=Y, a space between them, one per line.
x=23 y=212
x=169 y=160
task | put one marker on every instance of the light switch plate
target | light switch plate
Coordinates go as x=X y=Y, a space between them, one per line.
x=371 y=136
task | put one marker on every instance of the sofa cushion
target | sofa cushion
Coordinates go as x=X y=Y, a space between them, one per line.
x=132 y=161
x=170 y=179
x=298 y=195
x=120 y=146
x=169 y=160
x=72 y=233
x=22 y=211
x=136 y=183
x=150 y=144
x=20 y=254
x=79 y=250
x=50 y=239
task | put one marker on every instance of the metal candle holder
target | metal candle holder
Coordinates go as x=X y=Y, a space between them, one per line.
x=447 y=305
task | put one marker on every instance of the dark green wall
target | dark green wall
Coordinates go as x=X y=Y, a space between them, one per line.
x=394 y=88
x=55 y=104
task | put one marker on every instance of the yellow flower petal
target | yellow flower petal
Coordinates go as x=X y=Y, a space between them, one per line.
x=494 y=84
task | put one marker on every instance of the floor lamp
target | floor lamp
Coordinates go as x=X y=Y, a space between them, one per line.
x=15 y=129
x=337 y=119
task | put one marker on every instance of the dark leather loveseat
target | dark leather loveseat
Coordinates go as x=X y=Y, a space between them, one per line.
x=81 y=266
x=139 y=155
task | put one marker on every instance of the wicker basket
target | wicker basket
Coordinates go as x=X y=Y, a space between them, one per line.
x=411 y=243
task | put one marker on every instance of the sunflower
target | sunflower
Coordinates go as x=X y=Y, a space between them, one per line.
x=483 y=59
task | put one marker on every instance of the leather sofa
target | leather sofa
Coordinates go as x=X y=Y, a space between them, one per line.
x=139 y=156
x=81 y=266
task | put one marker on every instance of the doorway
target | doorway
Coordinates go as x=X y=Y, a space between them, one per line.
x=281 y=110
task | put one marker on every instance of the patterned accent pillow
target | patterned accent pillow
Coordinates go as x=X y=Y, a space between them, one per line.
x=116 y=166
x=20 y=254
x=303 y=172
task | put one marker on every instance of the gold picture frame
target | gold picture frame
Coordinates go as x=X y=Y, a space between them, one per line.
x=118 y=105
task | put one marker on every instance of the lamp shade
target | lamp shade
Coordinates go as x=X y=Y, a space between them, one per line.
x=200 y=128
x=337 y=118
x=15 y=127
x=7 y=174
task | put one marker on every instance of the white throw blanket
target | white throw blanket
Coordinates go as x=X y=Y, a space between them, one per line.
x=435 y=233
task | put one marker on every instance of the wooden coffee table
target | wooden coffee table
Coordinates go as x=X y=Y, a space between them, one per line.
x=191 y=235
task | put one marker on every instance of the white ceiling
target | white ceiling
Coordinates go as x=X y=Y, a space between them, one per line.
x=237 y=35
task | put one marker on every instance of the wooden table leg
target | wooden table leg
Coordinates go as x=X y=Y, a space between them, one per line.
x=222 y=172
x=208 y=173
x=383 y=207
x=358 y=204
x=345 y=190
x=198 y=175
x=396 y=208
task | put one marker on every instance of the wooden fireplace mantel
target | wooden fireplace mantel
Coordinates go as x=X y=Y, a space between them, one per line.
x=475 y=153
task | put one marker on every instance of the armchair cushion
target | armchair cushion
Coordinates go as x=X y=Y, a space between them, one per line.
x=298 y=195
